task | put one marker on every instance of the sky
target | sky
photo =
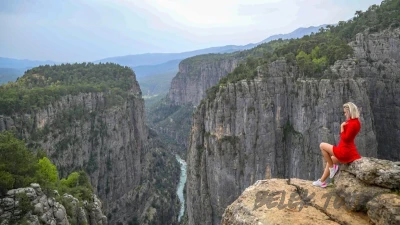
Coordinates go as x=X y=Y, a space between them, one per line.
x=88 y=30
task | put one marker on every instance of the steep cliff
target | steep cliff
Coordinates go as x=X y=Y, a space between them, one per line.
x=358 y=196
x=199 y=73
x=271 y=126
x=188 y=88
x=378 y=55
x=106 y=136
x=266 y=127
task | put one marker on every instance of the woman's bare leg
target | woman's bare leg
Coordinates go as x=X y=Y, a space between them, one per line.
x=326 y=170
x=326 y=173
x=327 y=152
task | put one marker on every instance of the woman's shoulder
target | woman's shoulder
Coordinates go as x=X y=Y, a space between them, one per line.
x=355 y=121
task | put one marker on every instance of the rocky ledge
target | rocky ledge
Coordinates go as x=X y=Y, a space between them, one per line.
x=365 y=191
x=32 y=207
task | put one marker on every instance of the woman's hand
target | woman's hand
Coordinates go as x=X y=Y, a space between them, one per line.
x=342 y=126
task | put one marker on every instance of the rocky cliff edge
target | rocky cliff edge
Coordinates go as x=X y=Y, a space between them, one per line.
x=364 y=192
x=32 y=206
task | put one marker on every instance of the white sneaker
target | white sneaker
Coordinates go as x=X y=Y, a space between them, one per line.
x=319 y=183
x=333 y=170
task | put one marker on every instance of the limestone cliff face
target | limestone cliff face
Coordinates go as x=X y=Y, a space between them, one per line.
x=196 y=76
x=272 y=126
x=379 y=65
x=266 y=127
x=112 y=144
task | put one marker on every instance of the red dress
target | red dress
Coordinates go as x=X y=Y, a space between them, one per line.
x=346 y=151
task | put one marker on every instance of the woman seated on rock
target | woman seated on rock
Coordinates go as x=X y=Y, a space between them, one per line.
x=346 y=151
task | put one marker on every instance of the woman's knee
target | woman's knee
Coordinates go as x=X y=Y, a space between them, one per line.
x=325 y=146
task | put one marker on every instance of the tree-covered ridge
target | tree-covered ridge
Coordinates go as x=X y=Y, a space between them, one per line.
x=196 y=62
x=45 y=84
x=314 y=53
x=261 y=50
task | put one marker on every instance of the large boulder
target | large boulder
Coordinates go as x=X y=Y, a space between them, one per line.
x=356 y=197
x=355 y=192
x=384 y=209
x=383 y=173
x=278 y=201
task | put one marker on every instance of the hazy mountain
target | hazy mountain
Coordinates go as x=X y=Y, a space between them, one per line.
x=160 y=58
x=146 y=70
x=156 y=79
x=22 y=63
x=11 y=69
x=300 y=32
x=10 y=74
x=145 y=65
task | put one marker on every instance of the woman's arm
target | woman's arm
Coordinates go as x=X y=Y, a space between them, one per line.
x=350 y=132
x=342 y=127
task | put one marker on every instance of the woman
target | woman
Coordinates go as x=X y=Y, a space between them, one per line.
x=346 y=151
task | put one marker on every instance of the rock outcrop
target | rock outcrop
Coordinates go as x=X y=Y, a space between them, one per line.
x=34 y=207
x=197 y=74
x=271 y=126
x=364 y=179
x=296 y=201
x=113 y=145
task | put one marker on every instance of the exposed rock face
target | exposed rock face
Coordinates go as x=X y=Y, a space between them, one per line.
x=112 y=144
x=272 y=126
x=277 y=201
x=362 y=180
x=383 y=173
x=384 y=209
x=196 y=76
x=356 y=192
x=379 y=65
x=46 y=210
x=296 y=201
x=172 y=117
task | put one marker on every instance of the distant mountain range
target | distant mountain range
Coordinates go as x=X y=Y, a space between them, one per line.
x=145 y=65
x=298 y=33
x=159 y=58
x=149 y=70
x=22 y=63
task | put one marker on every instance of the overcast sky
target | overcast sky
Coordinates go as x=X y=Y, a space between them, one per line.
x=87 y=30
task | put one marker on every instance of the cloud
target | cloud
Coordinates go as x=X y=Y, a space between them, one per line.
x=260 y=9
x=94 y=29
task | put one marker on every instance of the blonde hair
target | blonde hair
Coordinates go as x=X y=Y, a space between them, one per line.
x=352 y=109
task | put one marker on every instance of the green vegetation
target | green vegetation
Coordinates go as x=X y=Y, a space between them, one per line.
x=43 y=85
x=176 y=119
x=19 y=167
x=233 y=140
x=46 y=173
x=157 y=84
x=314 y=53
x=149 y=102
x=288 y=129
x=78 y=185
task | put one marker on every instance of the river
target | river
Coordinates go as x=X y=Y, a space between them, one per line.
x=181 y=185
